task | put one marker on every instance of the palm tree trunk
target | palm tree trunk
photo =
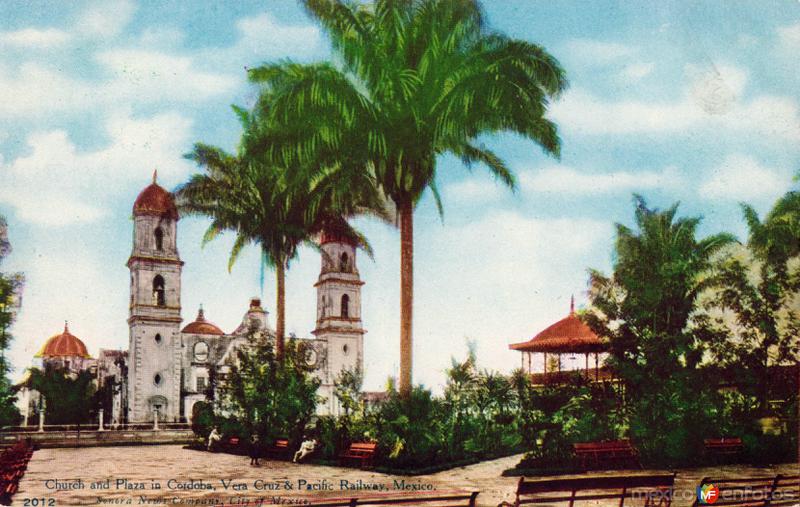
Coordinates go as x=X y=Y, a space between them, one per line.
x=280 y=326
x=406 y=295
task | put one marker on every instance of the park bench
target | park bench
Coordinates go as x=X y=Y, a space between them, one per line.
x=363 y=452
x=606 y=454
x=721 y=447
x=440 y=499
x=230 y=444
x=13 y=463
x=773 y=490
x=279 y=449
x=655 y=490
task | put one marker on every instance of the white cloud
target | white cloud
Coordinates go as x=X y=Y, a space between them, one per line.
x=743 y=178
x=144 y=72
x=637 y=71
x=598 y=52
x=34 y=38
x=510 y=277
x=139 y=75
x=106 y=19
x=789 y=38
x=55 y=184
x=65 y=282
x=716 y=88
x=747 y=40
x=474 y=190
x=566 y=180
x=39 y=89
x=161 y=37
x=712 y=102
x=133 y=77
x=262 y=38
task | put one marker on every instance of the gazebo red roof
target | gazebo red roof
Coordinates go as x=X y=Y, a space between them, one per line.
x=568 y=335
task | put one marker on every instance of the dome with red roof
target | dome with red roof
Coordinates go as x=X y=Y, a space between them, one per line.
x=569 y=334
x=64 y=345
x=202 y=326
x=334 y=234
x=154 y=200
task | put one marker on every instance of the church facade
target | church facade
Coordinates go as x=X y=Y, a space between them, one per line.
x=170 y=368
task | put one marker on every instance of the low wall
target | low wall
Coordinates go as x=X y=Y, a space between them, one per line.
x=100 y=438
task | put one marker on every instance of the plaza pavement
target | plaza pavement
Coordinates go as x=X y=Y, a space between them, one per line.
x=174 y=468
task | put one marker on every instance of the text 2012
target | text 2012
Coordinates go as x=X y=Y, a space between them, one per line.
x=38 y=502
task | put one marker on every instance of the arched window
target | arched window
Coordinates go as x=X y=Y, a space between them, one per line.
x=345 y=306
x=159 y=237
x=158 y=338
x=159 y=296
x=344 y=263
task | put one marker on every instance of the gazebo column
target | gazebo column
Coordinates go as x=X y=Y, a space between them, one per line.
x=587 y=364
x=544 y=374
x=596 y=367
x=530 y=360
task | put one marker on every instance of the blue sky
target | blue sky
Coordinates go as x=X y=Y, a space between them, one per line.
x=692 y=102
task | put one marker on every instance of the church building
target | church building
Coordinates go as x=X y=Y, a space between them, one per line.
x=167 y=368
x=170 y=367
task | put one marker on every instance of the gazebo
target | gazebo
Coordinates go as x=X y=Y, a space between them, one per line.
x=569 y=335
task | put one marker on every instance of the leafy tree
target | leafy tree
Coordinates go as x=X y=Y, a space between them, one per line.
x=458 y=400
x=410 y=430
x=757 y=288
x=347 y=390
x=646 y=309
x=203 y=418
x=274 y=398
x=414 y=79
x=759 y=296
x=10 y=291
x=270 y=206
x=69 y=398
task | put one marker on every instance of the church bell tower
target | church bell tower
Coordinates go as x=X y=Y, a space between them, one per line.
x=154 y=371
x=338 y=314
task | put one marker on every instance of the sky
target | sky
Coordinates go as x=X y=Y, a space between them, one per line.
x=697 y=102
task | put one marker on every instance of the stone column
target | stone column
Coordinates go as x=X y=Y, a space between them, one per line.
x=155 y=419
x=100 y=417
x=41 y=420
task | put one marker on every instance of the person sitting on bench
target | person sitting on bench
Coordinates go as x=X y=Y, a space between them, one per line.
x=306 y=448
x=213 y=437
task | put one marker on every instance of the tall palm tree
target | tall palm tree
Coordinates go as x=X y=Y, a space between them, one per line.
x=414 y=79
x=278 y=209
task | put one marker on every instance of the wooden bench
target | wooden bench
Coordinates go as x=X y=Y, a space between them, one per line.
x=363 y=452
x=730 y=446
x=279 y=449
x=441 y=499
x=753 y=491
x=13 y=463
x=230 y=444
x=606 y=454
x=655 y=490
